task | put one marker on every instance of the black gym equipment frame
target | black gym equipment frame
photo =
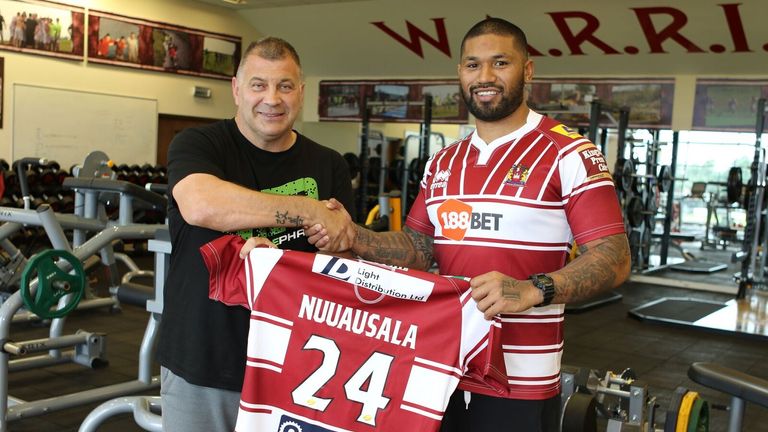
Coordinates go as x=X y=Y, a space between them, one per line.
x=713 y=316
x=425 y=134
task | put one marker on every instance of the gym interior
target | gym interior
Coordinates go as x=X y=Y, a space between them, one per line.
x=673 y=94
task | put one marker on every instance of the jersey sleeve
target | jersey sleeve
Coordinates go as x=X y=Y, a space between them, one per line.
x=232 y=280
x=592 y=206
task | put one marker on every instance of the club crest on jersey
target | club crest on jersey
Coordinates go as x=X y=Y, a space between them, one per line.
x=440 y=180
x=517 y=175
x=290 y=424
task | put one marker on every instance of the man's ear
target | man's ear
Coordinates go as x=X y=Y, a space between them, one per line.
x=528 y=71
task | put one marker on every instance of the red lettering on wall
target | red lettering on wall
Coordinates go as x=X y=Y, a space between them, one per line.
x=533 y=52
x=416 y=34
x=587 y=34
x=672 y=31
x=735 y=26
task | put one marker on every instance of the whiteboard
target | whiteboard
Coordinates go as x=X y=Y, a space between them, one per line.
x=66 y=125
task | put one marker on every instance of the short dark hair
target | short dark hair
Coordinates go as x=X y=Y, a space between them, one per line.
x=270 y=48
x=500 y=27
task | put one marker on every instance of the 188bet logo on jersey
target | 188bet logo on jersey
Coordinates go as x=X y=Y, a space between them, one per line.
x=456 y=217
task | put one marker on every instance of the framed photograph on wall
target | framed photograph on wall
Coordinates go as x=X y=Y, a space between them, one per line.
x=398 y=101
x=42 y=28
x=2 y=89
x=727 y=105
x=569 y=100
x=119 y=40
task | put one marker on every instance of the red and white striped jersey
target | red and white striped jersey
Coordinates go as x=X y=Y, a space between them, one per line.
x=516 y=205
x=345 y=345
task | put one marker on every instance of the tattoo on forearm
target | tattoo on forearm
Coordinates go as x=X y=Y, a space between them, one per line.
x=285 y=219
x=593 y=272
x=410 y=250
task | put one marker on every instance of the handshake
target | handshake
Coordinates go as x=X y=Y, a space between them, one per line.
x=331 y=228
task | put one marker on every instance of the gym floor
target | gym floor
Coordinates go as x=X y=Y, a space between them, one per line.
x=603 y=338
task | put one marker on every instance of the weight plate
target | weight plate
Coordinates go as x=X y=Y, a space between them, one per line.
x=623 y=175
x=634 y=211
x=53 y=283
x=684 y=414
x=699 y=420
x=646 y=242
x=665 y=178
x=579 y=414
x=735 y=185
x=670 y=423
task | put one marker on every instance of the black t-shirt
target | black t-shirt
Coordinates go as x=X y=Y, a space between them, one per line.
x=204 y=341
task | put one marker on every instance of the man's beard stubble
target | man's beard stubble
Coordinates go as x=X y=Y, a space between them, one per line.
x=486 y=112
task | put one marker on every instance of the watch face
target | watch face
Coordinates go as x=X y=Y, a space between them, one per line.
x=542 y=279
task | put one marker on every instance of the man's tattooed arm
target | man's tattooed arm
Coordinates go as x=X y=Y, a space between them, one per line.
x=602 y=265
x=406 y=248
x=283 y=218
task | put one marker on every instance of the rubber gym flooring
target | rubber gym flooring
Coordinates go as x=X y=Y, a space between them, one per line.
x=603 y=338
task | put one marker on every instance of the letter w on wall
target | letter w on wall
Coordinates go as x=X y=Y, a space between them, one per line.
x=416 y=34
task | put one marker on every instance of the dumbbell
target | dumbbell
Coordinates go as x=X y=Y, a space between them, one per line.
x=47 y=179
x=11 y=183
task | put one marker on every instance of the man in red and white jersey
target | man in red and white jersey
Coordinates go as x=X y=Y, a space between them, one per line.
x=504 y=206
x=344 y=345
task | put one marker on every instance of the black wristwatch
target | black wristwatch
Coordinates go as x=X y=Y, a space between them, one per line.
x=547 y=287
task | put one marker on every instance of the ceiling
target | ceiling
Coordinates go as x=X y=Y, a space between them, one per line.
x=256 y=4
x=409 y=38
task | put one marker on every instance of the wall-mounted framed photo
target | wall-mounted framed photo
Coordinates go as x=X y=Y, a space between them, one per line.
x=727 y=104
x=400 y=101
x=42 y=28
x=124 y=41
x=2 y=89
x=568 y=99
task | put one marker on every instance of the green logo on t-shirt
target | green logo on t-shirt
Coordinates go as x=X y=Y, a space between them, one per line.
x=306 y=186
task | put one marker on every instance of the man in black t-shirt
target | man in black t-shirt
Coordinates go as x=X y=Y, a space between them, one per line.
x=255 y=176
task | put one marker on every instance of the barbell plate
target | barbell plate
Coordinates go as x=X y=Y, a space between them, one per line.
x=634 y=244
x=646 y=242
x=53 y=283
x=624 y=174
x=670 y=423
x=653 y=200
x=579 y=413
x=396 y=171
x=735 y=185
x=665 y=178
x=699 y=420
x=634 y=211
x=684 y=414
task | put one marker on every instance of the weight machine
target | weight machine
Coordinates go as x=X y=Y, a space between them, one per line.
x=621 y=402
x=391 y=208
x=55 y=284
